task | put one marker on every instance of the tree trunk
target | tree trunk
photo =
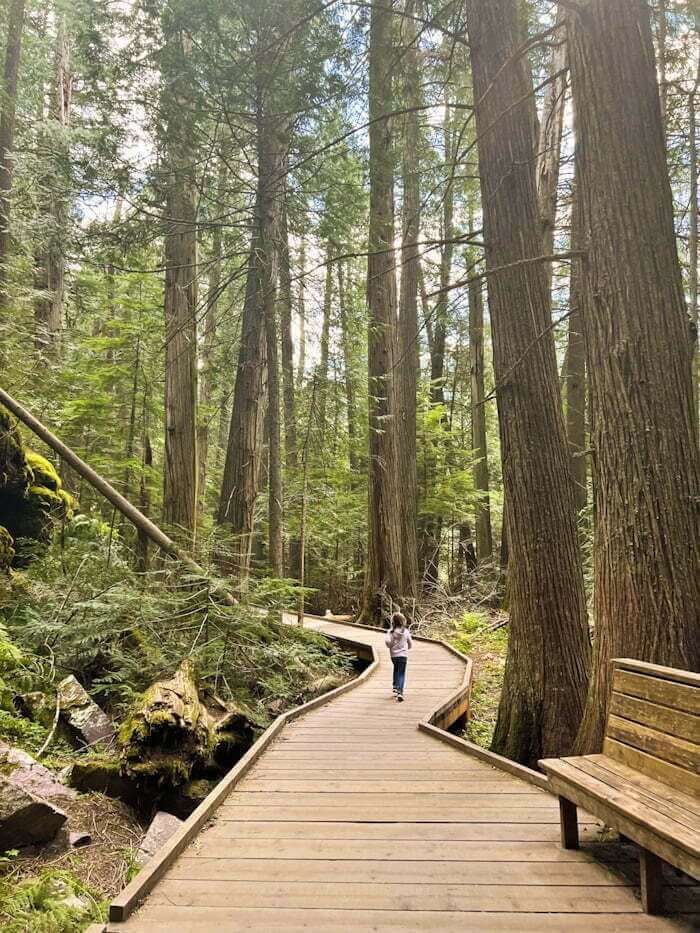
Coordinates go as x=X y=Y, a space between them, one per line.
x=50 y=260
x=549 y=146
x=239 y=487
x=693 y=240
x=662 y=31
x=274 y=436
x=322 y=379
x=208 y=381
x=353 y=458
x=646 y=464
x=302 y=316
x=15 y=22
x=383 y=582
x=484 y=540
x=285 y=303
x=575 y=376
x=180 y=466
x=408 y=359
x=548 y=649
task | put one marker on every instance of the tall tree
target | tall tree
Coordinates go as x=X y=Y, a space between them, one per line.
x=275 y=518
x=180 y=474
x=50 y=260
x=15 y=22
x=484 y=541
x=548 y=650
x=646 y=464
x=384 y=549
x=408 y=351
x=575 y=374
x=285 y=303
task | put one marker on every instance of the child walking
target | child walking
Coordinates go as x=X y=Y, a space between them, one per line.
x=399 y=641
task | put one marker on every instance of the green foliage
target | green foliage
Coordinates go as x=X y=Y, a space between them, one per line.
x=476 y=637
x=53 y=902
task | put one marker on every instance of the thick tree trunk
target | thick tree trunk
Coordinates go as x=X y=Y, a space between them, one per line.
x=548 y=650
x=484 y=540
x=575 y=377
x=693 y=241
x=383 y=582
x=239 y=489
x=646 y=464
x=408 y=359
x=301 y=367
x=50 y=260
x=322 y=371
x=662 y=31
x=180 y=466
x=15 y=22
x=285 y=304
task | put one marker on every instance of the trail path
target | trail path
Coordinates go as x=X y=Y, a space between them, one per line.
x=353 y=819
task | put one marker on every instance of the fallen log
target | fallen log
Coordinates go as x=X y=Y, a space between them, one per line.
x=129 y=511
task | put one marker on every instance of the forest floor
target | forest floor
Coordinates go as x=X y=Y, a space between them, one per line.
x=481 y=634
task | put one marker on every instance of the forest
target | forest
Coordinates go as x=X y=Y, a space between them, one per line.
x=340 y=307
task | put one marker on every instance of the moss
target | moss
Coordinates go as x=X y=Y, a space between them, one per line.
x=15 y=474
x=7 y=551
x=43 y=471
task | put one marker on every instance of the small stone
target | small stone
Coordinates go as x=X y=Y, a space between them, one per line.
x=26 y=820
x=86 y=721
x=26 y=772
x=163 y=826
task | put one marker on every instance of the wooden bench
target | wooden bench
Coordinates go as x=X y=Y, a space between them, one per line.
x=646 y=784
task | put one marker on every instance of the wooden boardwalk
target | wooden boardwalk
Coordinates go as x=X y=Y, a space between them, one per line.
x=353 y=818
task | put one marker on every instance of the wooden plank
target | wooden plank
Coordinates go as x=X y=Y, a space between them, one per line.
x=212 y=844
x=655 y=768
x=686 y=801
x=320 y=786
x=167 y=919
x=675 y=695
x=637 y=790
x=665 y=837
x=663 y=718
x=666 y=747
x=533 y=801
x=363 y=814
x=491 y=758
x=394 y=832
x=346 y=871
x=657 y=670
x=395 y=896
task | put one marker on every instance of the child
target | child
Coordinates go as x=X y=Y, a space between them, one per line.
x=398 y=641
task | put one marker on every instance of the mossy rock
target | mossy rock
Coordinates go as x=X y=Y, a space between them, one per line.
x=15 y=474
x=7 y=550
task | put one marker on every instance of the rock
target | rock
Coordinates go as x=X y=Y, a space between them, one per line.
x=86 y=721
x=25 y=772
x=25 y=819
x=162 y=827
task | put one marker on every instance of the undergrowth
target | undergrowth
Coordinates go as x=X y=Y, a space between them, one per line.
x=477 y=637
x=52 y=902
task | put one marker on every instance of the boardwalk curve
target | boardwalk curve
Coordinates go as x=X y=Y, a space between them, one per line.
x=352 y=817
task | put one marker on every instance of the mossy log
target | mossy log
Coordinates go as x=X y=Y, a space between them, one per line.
x=170 y=737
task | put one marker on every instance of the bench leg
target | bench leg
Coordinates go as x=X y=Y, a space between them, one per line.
x=651 y=874
x=569 y=823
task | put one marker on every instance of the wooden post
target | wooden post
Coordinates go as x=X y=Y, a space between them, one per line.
x=123 y=505
x=569 y=823
x=651 y=876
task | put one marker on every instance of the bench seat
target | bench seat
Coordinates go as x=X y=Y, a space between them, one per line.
x=646 y=784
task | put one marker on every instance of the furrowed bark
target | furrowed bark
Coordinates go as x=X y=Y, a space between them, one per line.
x=646 y=463
x=13 y=51
x=484 y=540
x=548 y=650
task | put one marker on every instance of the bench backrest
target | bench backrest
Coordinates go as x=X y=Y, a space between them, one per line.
x=654 y=722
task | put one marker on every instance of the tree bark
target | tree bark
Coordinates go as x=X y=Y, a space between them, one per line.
x=646 y=464
x=408 y=360
x=180 y=243
x=208 y=381
x=50 y=260
x=549 y=146
x=322 y=378
x=13 y=49
x=239 y=487
x=548 y=650
x=383 y=581
x=484 y=540
x=285 y=303
x=302 y=316
x=275 y=518
x=575 y=376
x=353 y=458
x=693 y=241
